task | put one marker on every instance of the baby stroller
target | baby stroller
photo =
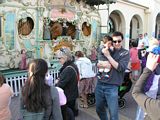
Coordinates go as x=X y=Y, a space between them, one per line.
x=124 y=88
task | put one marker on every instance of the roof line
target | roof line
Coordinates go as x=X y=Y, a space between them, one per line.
x=127 y=1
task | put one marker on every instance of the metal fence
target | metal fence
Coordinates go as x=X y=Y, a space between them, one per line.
x=17 y=80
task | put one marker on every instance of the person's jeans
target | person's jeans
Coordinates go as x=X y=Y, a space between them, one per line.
x=72 y=104
x=106 y=96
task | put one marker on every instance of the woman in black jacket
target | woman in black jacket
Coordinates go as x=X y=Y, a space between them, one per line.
x=68 y=77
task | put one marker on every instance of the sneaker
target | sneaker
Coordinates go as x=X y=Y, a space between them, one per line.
x=107 y=76
x=99 y=75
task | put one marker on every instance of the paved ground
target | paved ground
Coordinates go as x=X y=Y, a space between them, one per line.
x=127 y=113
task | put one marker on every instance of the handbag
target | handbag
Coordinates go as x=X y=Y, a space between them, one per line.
x=62 y=96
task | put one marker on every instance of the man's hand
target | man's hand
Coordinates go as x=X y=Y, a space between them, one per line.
x=112 y=62
x=152 y=61
x=105 y=51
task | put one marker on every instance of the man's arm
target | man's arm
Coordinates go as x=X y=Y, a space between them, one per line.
x=112 y=61
x=120 y=65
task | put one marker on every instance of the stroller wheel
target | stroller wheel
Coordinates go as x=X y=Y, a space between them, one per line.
x=121 y=103
x=91 y=99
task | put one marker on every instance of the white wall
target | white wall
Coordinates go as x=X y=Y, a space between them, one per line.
x=142 y=2
x=126 y=11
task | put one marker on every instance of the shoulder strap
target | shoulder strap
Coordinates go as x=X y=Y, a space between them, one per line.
x=75 y=71
x=72 y=68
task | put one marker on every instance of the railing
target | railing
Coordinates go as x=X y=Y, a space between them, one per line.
x=17 y=79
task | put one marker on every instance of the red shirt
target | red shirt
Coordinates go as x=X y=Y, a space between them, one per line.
x=134 y=55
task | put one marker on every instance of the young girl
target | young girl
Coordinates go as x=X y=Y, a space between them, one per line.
x=135 y=62
x=39 y=100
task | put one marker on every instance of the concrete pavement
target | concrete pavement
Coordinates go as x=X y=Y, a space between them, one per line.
x=84 y=114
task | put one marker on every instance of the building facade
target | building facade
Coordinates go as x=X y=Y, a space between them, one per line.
x=131 y=17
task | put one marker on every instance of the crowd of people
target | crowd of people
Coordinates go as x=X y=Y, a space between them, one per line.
x=43 y=98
